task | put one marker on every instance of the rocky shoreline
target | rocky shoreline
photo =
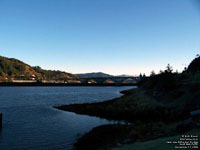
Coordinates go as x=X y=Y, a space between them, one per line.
x=150 y=117
x=165 y=105
x=136 y=106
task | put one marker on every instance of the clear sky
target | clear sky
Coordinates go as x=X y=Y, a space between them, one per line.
x=112 y=36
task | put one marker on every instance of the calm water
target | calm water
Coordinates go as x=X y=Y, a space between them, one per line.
x=30 y=122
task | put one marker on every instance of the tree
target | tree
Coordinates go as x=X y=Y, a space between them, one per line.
x=140 y=76
x=152 y=73
x=144 y=76
x=169 y=69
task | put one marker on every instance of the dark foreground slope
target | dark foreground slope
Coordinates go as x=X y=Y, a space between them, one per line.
x=154 y=108
x=139 y=104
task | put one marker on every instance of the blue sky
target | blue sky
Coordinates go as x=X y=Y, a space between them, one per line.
x=112 y=36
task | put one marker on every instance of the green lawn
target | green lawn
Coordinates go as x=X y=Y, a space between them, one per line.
x=158 y=144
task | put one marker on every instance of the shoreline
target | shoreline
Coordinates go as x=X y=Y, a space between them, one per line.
x=6 y=84
x=134 y=104
x=150 y=118
x=79 y=108
x=141 y=128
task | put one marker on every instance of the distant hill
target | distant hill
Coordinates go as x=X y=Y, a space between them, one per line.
x=124 y=75
x=94 y=75
x=11 y=68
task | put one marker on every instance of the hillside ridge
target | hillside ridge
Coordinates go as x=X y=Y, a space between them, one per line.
x=14 y=69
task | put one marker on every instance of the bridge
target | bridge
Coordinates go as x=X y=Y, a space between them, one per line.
x=107 y=80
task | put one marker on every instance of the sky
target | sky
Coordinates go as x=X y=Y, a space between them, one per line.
x=111 y=36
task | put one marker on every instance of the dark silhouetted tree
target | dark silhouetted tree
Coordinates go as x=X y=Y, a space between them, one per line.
x=152 y=73
x=169 y=69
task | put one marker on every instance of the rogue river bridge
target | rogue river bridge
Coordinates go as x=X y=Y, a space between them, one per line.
x=115 y=80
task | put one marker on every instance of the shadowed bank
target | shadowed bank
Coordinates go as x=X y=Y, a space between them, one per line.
x=155 y=109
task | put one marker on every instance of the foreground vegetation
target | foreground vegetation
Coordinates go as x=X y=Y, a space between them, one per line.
x=157 y=144
x=155 y=108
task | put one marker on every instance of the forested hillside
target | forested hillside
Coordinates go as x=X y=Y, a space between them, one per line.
x=94 y=75
x=11 y=68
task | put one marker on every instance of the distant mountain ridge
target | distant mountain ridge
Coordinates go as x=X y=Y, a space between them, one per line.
x=11 y=68
x=94 y=75
x=124 y=75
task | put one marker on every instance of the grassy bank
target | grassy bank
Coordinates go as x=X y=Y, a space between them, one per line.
x=154 y=108
x=136 y=104
x=108 y=136
x=158 y=144
x=150 y=117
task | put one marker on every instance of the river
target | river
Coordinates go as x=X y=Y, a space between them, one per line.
x=30 y=122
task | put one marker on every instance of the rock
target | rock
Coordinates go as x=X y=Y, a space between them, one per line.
x=155 y=94
x=198 y=125
x=185 y=126
x=127 y=141
x=195 y=115
x=157 y=136
x=119 y=145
